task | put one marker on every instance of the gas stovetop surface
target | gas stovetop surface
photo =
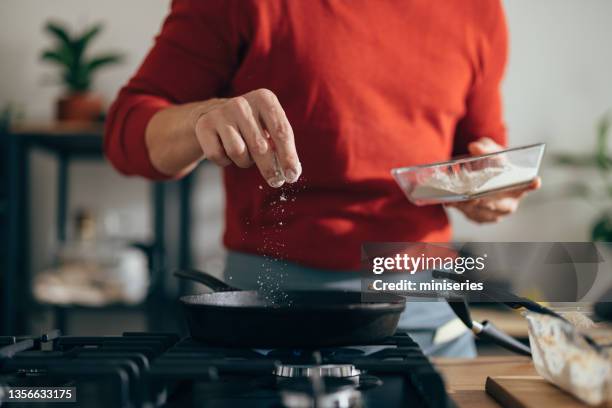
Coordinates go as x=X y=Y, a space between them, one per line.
x=161 y=370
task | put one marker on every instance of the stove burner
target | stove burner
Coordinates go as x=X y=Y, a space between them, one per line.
x=144 y=370
x=320 y=392
x=347 y=398
x=314 y=356
x=307 y=370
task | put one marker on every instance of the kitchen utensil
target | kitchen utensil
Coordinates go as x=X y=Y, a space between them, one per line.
x=470 y=177
x=487 y=330
x=511 y=300
x=499 y=295
x=296 y=319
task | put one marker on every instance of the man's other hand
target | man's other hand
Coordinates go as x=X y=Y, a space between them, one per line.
x=492 y=208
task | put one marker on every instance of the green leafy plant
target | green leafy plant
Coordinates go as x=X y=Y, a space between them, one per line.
x=601 y=192
x=69 y=53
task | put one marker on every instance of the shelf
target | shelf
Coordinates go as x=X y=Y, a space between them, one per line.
x=108 y=307
x=74 y=142
x=74 y=139
x=59 y=128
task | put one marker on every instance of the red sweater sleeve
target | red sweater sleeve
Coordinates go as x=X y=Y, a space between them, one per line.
x=484 y=116
x=194 y=58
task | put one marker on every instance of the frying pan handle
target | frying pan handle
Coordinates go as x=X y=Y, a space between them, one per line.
x=217 y=285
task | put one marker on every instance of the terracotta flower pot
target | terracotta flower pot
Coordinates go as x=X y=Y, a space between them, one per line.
x=82 y=107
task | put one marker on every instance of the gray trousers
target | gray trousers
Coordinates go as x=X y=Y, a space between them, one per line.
x=422 y=319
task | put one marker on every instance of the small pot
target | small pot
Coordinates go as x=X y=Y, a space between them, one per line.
x=80 y=106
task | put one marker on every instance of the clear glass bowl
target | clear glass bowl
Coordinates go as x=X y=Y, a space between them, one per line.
x=470 y=177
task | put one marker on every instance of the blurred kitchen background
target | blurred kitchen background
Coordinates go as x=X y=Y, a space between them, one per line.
x=557 y=90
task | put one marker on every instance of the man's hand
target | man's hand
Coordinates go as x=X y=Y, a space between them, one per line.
x=492 y=208
x=248 y=129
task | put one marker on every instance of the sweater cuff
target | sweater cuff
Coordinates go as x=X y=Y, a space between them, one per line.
x=135 y=145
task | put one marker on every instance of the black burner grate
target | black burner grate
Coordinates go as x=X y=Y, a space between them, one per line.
x=158 y=369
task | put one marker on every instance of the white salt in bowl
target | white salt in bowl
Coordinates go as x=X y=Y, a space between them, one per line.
x=470 y=177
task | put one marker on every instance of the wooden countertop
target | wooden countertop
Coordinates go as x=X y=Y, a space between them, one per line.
x=465 y=378
x=514 y=381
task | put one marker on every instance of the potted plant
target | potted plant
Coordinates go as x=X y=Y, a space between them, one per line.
x=78 y=103
x=599 y=190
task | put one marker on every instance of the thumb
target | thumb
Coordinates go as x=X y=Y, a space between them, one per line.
x=483 y=145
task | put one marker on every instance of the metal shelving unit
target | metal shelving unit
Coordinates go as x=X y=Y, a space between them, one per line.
x=4 y=233
x=68 y=143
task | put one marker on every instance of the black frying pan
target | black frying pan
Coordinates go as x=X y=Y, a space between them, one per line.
x=304 y=319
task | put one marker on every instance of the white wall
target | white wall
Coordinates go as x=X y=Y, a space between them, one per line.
x=558 y=83
x=129 y=28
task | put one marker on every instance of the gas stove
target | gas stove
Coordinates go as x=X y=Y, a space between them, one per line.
x=142 y=370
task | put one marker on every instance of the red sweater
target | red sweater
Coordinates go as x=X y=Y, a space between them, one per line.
x=367 y=86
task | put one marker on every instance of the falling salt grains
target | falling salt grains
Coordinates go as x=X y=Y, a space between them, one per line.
x=260 y=187
x=272 y=274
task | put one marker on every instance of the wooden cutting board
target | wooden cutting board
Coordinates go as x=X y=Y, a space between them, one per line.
x=528 y=392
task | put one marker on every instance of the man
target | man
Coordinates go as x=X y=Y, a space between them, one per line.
x=320 y=98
